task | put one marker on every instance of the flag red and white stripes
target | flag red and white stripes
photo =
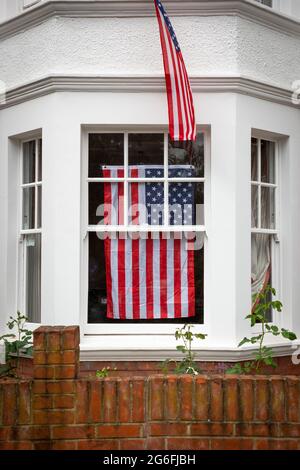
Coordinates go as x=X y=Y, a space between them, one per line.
x=146 y=278
x=182 y=122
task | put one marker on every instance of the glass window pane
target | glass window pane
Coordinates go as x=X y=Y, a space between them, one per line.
x=267 y=161
x=268 y=208
x=40 y=159
x=186 y=159
x=254 y=160
x=186 y=203
x=254 y=206
x=261 y=266
x=39 y=207
x=105 y=150
x=106 y=203
x=33 y=277
x=28 y=208
x=146 y=150
x=146 y=272
x=29 y=162
x=146 y=203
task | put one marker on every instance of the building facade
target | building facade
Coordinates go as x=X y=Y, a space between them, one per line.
x=82 y=88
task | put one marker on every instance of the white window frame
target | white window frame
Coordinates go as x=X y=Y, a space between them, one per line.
x=24 y=232
x=273 y=233
x=137 y=328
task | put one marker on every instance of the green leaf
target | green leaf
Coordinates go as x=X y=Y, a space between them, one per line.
x=181 y=348
x=244 y=341
x=288 y=334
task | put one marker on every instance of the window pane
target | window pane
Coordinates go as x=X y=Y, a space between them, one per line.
x=146 y=203
x=39 y=208
x=40 y=158
x=106 y=203
x=186 y=203
x=268 y=208
x=105 y=150
x=189 y=156
x=33 y=277
x=254 y=206
x=28 y=208
x=142 y=279
x=146 y=149
x=29 y=162
x=261 y=266
x=267 y=161
x=254 y=160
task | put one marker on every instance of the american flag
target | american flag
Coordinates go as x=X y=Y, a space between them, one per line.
x=149 y=278
x=182 y=122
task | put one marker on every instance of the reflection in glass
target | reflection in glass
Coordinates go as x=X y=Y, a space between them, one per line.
x=39 y=207
x=254 y=206
x=29 y=162
x=105 y=150
x=40 y=159
x=33 y=277
x=267 y=161
x=268 y=208
x=146 y=149
x=254 y=159
x=188 y=153
x=28 y=208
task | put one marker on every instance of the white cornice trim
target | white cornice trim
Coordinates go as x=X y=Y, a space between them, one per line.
x=134 y=84
x=218 y=354
x=247 y=9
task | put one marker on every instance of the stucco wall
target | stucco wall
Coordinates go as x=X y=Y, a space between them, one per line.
x=211 y=45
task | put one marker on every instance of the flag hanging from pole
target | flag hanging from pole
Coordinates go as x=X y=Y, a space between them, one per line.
x=182 y=123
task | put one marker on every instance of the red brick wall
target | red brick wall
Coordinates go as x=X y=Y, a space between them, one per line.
x=58 y=410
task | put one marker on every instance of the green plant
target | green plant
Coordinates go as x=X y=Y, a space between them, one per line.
x=263 y=303
x=22 y=343
x=187 y=365
x=103 y=373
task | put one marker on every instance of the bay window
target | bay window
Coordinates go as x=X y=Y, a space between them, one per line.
x=264 y=188
x=145 y=225
x=31 y=230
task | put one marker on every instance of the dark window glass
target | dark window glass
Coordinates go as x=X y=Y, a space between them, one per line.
x=267 y=162
x=146 y=149
x=29 y=162
x=105 y=150
x=186 y=159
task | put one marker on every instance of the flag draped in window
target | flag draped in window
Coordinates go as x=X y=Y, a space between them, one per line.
x=180 y=99
x=149 y=278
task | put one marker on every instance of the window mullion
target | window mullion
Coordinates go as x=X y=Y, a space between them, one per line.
x=35 y=186
x=166 y=184
x=126 y=175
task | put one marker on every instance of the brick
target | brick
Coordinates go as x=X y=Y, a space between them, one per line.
x=168 y=429
x=293 y=399
x=9 y=414
x=278 y=399
x=110 y=401
x=172 y=403
x=138 y=398
x=73 y=432
x=132 y=444
x=52 y=387
x=202 y=399
x=39 y=338
x=156 y=398
x=98 y=444
x=24 y=412
x=247 y=399
x=41 y=402
x=64 y=445
x=63 y=401
x=21 y=445
x=212 y=429
x=53 y=339
x=187 y=444
x=5 y=433
x=232 y=444
x=23 y=433
x=261 y=444
x=53 y=417
x=231 y=399
x=70 y=337
x=290 y=430
x=44 y=372
x=95 y=405
x=155 y=443
x=216 y=399
x=65 y=372
x=40 y=358
x=124 y=398
x=43 y=445
x=283 y=444
x=186 y=405
x=82 y=401
x=262 y=399
x=119 y=430
x=258 y=430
